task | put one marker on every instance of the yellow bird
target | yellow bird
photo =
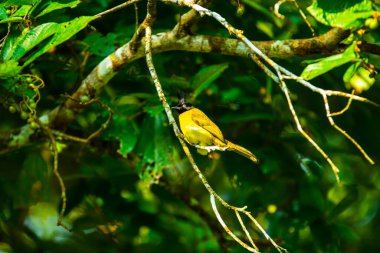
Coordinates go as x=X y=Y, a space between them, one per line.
x=199 y=131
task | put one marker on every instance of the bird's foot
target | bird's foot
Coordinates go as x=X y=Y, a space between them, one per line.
x=211 y=148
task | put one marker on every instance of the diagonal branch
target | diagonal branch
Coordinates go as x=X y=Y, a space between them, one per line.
x=333 y=124
x=172 y=121
x=248 y=214
x=281 y=74
x=229 y=231
x=213 y=194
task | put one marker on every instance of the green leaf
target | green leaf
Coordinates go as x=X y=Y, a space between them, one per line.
x=18 y=15
x=156 y=146
x=231 y=95
x=63 y=32
x=350 y=198
x=3 y=13
x=17 y=47
x=123 y=130
x=11 y=19
x=7 y=49
x=154 y=110
x=351 y=71
x=204 y=78
x=145 y=145
x=30 y=39
x=266 y=28
x=57 y=5
x=163 y=146
x=9 y=68
x=100 y=45
x=9 y=3
x=326 y=64
x=348 y=14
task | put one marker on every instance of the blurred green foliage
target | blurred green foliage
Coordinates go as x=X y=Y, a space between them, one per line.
x=131 y=189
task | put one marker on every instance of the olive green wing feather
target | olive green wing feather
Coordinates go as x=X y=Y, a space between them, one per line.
x=203 y=121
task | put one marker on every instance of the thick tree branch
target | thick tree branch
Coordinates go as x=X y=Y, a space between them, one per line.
x=369 y=48
x=62 y=116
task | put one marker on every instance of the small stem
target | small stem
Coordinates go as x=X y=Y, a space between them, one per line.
x=117 y=8
x=215 y=209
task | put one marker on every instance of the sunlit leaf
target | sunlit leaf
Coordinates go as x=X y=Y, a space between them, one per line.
x=345 y=203
x=63 y=32
x=3 y=13
x=351 y=71
x=348 y=14
x=30 y=39
x=8 y=3
x=17 y=16
x=8 y=46
x=57 y=5
x=326 y=64
x=9 y=68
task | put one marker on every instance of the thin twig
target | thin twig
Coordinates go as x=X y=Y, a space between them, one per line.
x=285 y=90
x=304 y=134
x=53 y=144
x=117 y=8
x=237 y=239
x=344 y=109
x=333 y=124
x=330 y=115
x=304 y=17
x=262 y=230
x=52 y=133
x=136 y=16
x=276 y=11
x=245 y=230
x=103 y=127
x=2 y=40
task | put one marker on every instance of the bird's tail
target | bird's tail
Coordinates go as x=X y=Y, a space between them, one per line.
x=242 y=151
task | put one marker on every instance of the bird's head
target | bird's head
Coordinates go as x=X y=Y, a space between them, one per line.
x=182 y=105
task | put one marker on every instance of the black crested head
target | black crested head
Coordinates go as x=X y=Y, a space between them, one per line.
x=182 y=105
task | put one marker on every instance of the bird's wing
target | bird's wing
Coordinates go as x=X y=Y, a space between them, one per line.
x=203 y=121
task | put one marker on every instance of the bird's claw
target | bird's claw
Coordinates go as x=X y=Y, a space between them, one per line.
x=211 y=148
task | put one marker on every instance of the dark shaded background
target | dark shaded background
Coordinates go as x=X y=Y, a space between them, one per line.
x=151 y=200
